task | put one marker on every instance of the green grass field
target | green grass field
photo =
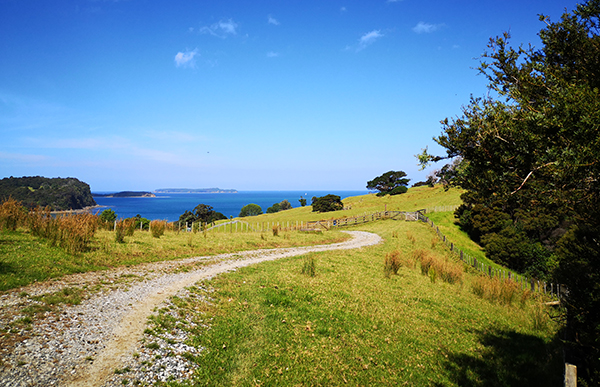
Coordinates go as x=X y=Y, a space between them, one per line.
x=349 y=324
x=272 y=325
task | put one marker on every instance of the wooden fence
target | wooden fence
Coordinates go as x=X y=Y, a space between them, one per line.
x=553 y=290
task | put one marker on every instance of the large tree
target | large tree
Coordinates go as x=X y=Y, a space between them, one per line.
x=531 y=166
x=390 y=183
x=202 y=213
x=327 y=203
x=250 y=210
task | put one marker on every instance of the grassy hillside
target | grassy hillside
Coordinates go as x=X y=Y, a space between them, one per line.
x=434 y=323
x=350 y=325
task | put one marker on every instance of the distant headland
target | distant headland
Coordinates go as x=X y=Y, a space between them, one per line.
x=126 y=194
x=195 y=190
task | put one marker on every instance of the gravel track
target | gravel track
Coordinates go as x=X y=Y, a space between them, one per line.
x=83 y=345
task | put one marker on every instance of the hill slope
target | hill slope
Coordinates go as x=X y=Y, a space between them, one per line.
x=59 y=194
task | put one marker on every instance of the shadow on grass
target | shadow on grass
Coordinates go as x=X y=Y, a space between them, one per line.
x=509 y=358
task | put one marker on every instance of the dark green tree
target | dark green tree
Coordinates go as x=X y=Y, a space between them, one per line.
x=250 y=210
x=327 y=203
x=274 y=208
x=531 y=166
x=390 y=183
x=108 y=216
x=302 y=201
x=285 y=205
x=202 y=213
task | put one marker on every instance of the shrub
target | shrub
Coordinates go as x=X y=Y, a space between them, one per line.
x=327 y=203
x=275 y=230
x=250 y=210
x=158 y=228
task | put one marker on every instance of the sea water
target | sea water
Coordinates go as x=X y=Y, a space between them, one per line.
x=170 y=206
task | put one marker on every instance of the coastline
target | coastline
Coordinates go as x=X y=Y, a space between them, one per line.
x=79 y=211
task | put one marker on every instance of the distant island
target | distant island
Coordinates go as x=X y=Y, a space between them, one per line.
x=60 y=194
x=195 y=190
x=126 y=194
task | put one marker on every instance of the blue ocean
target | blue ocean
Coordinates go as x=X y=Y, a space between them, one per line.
x=170 y=206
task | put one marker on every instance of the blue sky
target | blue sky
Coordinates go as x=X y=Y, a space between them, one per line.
x=251 y=95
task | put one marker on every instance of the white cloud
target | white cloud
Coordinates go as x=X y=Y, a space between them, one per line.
x=426 y=28
x=369 y=38
x=221 y=29
x=273 y=21
x=272 y=54
x=186 y=59
x=343 y=9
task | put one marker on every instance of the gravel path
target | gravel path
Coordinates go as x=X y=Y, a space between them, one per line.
x=83 y=345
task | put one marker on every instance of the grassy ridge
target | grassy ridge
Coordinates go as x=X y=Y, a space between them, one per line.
x=272 y=325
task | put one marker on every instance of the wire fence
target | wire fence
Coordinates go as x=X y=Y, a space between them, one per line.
x=551 y=289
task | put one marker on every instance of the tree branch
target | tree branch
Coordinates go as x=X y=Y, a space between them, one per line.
x=529 y=175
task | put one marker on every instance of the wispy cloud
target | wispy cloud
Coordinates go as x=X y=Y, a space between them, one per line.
x=272 y=54
x=426 y=28
x=186 y=59
x=221 y=29
x=273 y=21
x=368 y=39
x=343 y=9
x=23 y=158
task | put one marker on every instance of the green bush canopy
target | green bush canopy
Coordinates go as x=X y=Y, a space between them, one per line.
x=327 y=203
x=390 y=183
x=250 y=210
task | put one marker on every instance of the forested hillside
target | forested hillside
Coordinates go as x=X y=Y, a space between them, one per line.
x=57 y=193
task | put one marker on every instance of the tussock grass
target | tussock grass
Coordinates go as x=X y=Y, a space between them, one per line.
x=158 y=228
x=11 y=214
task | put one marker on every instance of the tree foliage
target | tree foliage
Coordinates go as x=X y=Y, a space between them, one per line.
x=202 y=213
x=57 y=193
x=327 y=203
x=250 y=210
x=531 y=166
x=390 y=183
x=281 y=206
x=108 y=216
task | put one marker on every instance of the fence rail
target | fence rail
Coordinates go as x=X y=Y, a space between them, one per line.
x=554 y=290
x=551 y=289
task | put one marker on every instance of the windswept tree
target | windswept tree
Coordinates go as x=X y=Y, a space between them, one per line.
x=390 y=183
x=531 y=167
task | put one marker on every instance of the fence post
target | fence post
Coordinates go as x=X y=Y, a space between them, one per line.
x=570 y=375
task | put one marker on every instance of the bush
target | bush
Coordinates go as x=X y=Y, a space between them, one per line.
x=327 y=203
x=250 y=210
